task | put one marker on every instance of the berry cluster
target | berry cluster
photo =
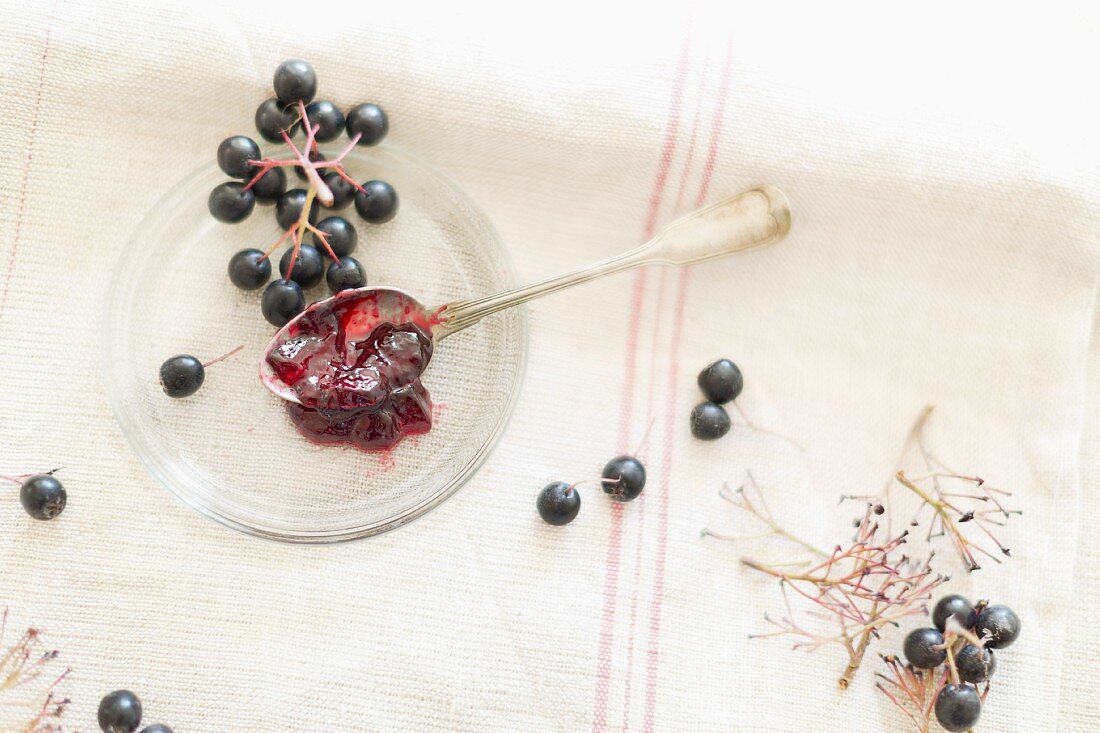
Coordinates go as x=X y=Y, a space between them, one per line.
x=721 y=382
x=623 y=479
x=120 y=712
x=961 y=641
x=263 y=180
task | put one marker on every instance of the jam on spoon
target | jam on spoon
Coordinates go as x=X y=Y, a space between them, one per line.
x=356 y=381
x=350 y=366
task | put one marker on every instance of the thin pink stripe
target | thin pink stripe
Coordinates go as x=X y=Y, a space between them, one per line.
x=653 y=647
x=614 y=541
x=651 y=392
x=28 y=155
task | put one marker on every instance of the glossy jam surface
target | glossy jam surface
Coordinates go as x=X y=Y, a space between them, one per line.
x=358 y=381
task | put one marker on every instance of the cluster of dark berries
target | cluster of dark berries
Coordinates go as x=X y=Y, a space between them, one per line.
x=721 y=382
x=964 y=637
x=326 y=184
x=623 y=479
x=183 y=374
x=43 y=496
x=120 y=712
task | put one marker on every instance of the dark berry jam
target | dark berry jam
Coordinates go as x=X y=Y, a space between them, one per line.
x=355 y=385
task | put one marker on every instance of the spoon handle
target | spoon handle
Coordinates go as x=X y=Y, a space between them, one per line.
x=754 y=218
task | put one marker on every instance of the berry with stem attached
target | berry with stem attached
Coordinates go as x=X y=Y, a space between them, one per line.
x=274 y=118
x=709 y=421
x=119 y=712
x=343 y=190
x=328 y=119
x=282 y=300
x=269 y=187
x=345 y=275
x=249 y=269
x=42 y=496
x=308 y=266
x=623 y=478
x=956 y=606
x=924 y=648
x=231 y=202
x=376 y=202
x=182 y=375
x=288 y=210
x=958 y=707
x=369 y=121
x=295 y=81
x=1000 y=624
x=558 y=503
x=975 y=664
x=339 y=233
x=235 y=156
x=722 y=381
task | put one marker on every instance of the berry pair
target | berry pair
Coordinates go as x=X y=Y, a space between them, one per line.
x=721 y=382
x=623 y=479
x=120 y=712
x=963 y=638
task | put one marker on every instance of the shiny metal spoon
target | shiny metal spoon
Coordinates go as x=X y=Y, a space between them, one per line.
x=754 y=218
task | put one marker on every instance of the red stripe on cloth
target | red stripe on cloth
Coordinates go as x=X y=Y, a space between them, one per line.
x=28 y=155
x=653 y=646
x=654 y=352
x=614 y=540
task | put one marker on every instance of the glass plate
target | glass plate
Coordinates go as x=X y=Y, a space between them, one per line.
x=229 y=450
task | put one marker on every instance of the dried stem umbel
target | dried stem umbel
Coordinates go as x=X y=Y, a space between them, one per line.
x=876 y=580
x=317 y=188
x=29 y=700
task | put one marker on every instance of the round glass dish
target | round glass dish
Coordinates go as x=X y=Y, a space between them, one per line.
x=229 y=450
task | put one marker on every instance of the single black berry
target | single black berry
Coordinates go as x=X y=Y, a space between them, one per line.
x=273 y=118
x=249 y=269
x=235 y=156
x=282 y=300
x=289 y=208
x=958 y=707
x=342 y=191
x=270 y=187
x=624 y=478
x=345 y=275
x=558 y=503
x=709 y=421
x=157 y=728
x=309 y=267
x=340 y=235
x=229 y=202
x=924 y=648
x=119 y=712
x=721 y=381
x=1000 y=624
x=327 y=118
x=295 y=81
x=377 y=202
x=369 y=121
x=43 y=497
x=953 y=605
x=181 y=376
x=975 y=664
x=314 y=156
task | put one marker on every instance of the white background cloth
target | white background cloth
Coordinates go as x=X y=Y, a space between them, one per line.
x=942 y=166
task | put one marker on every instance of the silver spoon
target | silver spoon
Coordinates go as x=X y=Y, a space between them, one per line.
x=754 y=218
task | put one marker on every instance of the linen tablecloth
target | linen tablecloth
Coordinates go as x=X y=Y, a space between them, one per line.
x=941 y=162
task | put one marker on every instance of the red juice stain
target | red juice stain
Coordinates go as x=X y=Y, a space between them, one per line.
x=357 y=380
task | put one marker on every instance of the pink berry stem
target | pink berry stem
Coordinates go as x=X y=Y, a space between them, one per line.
x=223 y=357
